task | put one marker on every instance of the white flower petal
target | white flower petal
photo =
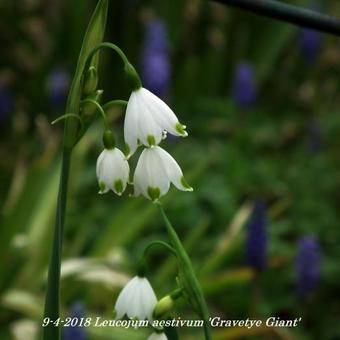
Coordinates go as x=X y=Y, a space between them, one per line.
x=150 y=299
x=136 y=189
x=99 y=162
x=133 y=311
x=131 y=123
x=99 y=172
x=122 y=171
x=162 y=113
x=147 y=125
x=155 y=171
x=172 y=169
x=139 y=181
x=123 y=300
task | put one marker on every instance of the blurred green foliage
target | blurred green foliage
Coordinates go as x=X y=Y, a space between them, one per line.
x=231 y=157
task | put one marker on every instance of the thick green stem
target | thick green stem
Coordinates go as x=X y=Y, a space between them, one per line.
x=189 y=279
x=289 y=13
x=52 y=332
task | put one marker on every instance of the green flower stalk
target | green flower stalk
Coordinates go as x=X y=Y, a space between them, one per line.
x=187 y=278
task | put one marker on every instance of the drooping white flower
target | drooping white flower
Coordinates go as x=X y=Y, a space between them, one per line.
x=146 y=119
x=155 y=170
x=112 y=171
x=157 y=336
x=136 y=300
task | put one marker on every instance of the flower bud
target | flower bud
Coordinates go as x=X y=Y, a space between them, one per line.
x=165 y=304
x=91 y=81
x=163 y=307
x=89 y=109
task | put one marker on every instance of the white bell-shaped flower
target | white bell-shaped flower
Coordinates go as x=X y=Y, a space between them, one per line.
x=155 y=170
x=148 y=119
x=137 y=300
x=112 y=171
x=157 y=336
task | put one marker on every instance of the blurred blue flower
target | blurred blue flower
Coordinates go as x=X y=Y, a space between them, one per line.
x=310 y=40
x=156 y=67
x=5 y=103
x=244 y=92
x=77 y=310
x=57 y=87
x=256 y=244
x=307 y=266
x=310 y=44
x=314 y=136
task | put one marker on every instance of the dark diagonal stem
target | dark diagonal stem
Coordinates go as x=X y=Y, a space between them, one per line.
x=289 y=13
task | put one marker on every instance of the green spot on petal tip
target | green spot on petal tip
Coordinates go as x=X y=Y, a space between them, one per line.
x=154 y=193
x=118 y=185
x=186 y=184
x=151 y=140
x=127 y=151
x=181 y=129
x=102 y=187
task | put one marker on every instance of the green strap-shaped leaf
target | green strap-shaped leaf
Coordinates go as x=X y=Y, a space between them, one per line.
x=93 y=37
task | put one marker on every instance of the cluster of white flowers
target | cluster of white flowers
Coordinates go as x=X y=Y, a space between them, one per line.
x=147 y=121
